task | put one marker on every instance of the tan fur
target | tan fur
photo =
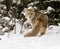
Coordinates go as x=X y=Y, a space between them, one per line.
x=37 y=20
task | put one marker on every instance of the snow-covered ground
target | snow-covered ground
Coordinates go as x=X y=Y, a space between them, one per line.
x=51 y=40
x=16 y=40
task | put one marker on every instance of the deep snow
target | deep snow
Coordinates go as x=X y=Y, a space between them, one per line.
x=51 y=40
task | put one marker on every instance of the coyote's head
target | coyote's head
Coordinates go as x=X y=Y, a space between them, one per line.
x=29 y=13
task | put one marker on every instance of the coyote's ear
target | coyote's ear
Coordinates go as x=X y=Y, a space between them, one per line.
x=33 y=9
x=25 y=9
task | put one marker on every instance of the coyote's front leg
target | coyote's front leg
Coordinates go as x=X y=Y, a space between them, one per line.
x=34 y=30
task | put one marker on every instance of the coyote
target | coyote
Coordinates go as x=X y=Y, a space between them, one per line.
x=37 y=20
